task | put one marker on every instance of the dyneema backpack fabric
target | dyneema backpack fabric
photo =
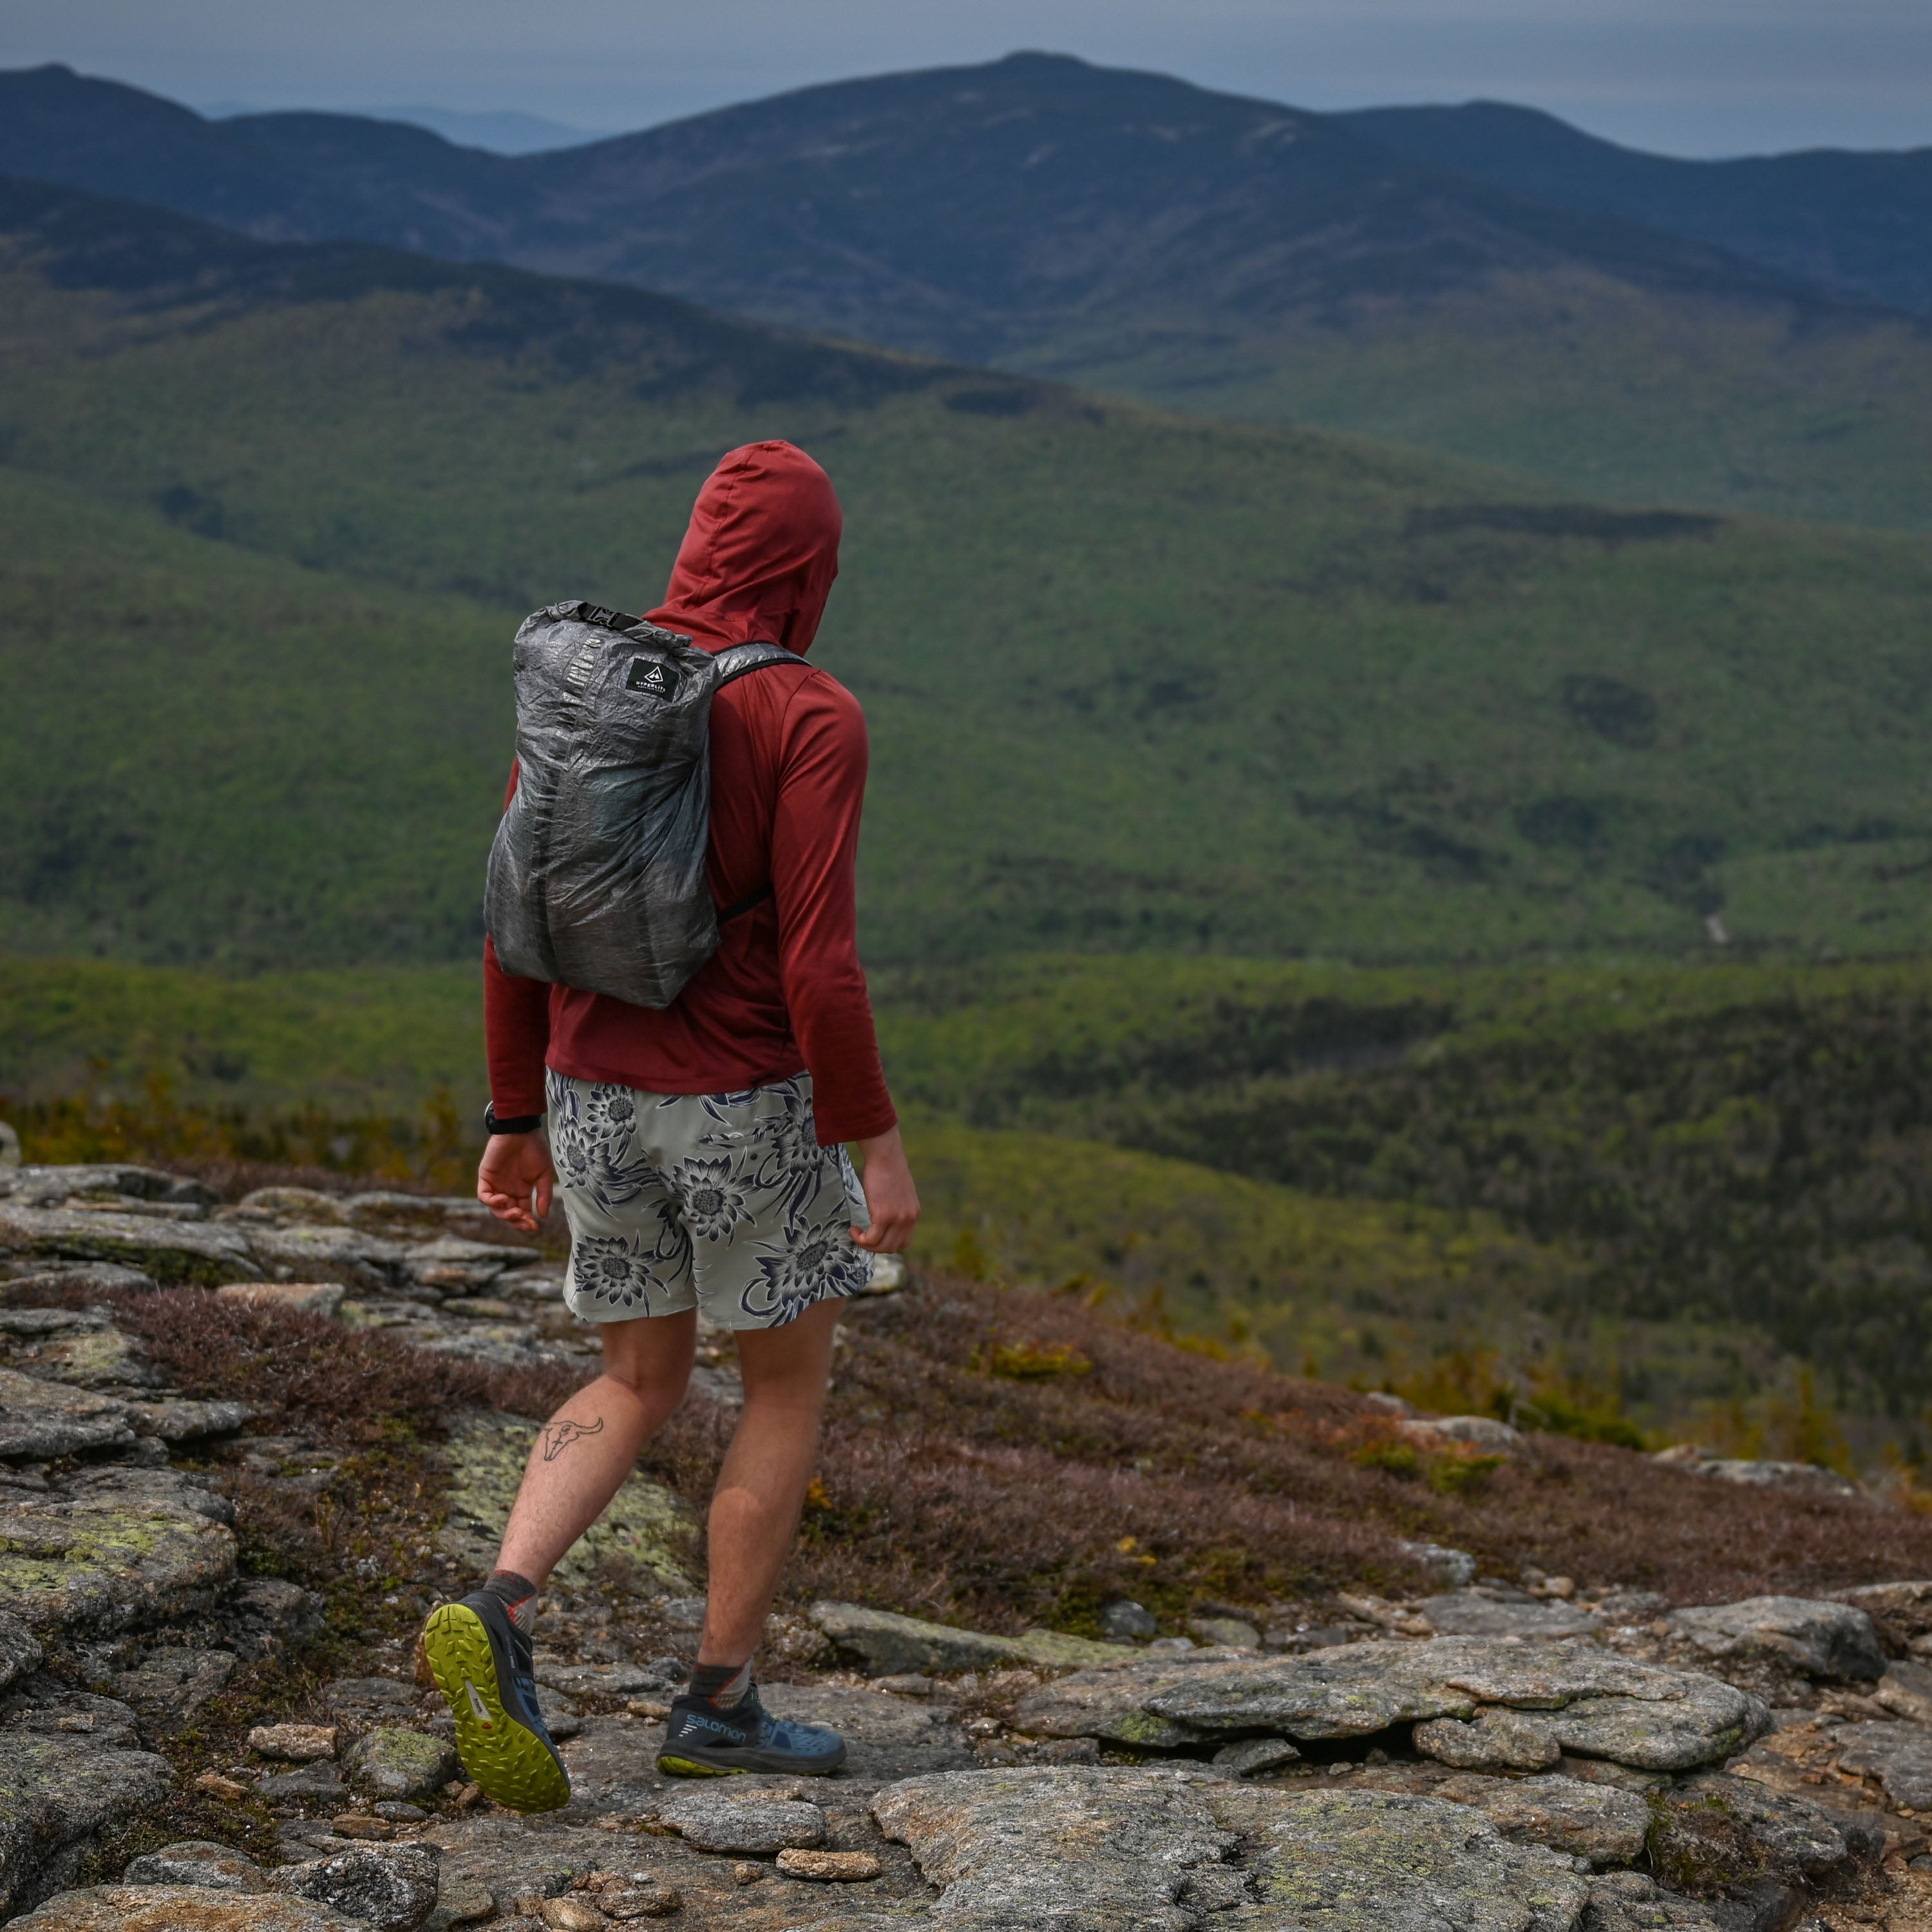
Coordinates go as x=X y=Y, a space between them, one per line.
x=596 y=878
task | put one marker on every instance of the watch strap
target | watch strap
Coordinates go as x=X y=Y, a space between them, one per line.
x=519 y=1124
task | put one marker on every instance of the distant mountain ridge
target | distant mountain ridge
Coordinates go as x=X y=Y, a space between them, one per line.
x=1858 y=223
x=1082 y=196
x=1128 y=232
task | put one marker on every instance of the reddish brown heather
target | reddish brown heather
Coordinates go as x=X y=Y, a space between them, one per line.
x=1005 y=1458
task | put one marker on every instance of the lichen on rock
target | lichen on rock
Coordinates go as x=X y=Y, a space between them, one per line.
x=644 y=1538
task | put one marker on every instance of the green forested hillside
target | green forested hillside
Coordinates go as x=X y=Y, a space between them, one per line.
x=1633 y=1189
x=1133 y=680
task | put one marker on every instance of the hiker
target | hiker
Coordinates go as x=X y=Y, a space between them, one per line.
x=699 y=1154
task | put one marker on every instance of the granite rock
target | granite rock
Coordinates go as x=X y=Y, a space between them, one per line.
x=1627 y=1901
x=91 y=1567
x=1822 y=1638
x=1495 y=1739
x=294 y=1743
x=1906 y=1690
x=1589 y=1701
x=197 y=1861
x=391 y=1887
x=1070 y=1847
x=19 y=1650
x=174 y=1685
x=319 y=1783
x=395 y=1763
x=1094 y=1849
x=1898 y=1755
x=1596 y=1822
x=43 y=1419
x=170 y=1251
x=1737 y=1831
x=1480 y=1612
x=56 y=1794
x=890 y=1645
x=177 y=1908
x=319 y=1253
x=101 y=1357
x=41 y=1185
x=750 y=1824
x=178 y=1420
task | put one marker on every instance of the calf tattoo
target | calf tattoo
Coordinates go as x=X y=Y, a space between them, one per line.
x=558 y=1435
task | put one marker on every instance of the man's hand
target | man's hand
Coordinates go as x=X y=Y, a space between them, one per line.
x=515 y=1172
x=890 y=1197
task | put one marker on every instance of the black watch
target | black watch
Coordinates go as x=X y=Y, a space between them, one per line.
x=522 y=1124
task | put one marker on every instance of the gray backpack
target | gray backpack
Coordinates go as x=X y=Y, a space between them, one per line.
x=596 y=878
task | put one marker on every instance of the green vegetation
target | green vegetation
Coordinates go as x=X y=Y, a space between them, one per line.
x=1135 y=682
x=1607 y=1201
x=1587 y=383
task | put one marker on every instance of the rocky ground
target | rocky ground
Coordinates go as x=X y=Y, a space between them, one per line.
x=210 y=1717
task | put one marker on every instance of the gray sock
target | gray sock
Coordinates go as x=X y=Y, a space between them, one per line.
x=724 y=1684
x=519 y=1595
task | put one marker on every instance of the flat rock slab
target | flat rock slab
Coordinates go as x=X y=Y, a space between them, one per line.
x=1480 y=1613
x=313 y=1253
x=1567 y=1696
x=1821 y=1638
x=178 y=1420
x=889 y=1644
x=57 y=1790
x=1708 y=1823
x=197 y=1861
x=1598 y=1822
x=98 y=1358
x=643 y=1539
x=19 y=1650
x=98 y=1566
x=1899 y=1755
x=43 y=1419
x=1627 y=1901
x=119 y=1483
x=745 y=1824
x=39 y=1184
x=1066 y=1847
x=170 y=1251
x=182 y=1908
x=173 y=1686
x=1099 y=1849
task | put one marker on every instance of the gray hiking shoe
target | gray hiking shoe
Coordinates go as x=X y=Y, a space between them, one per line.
x=701 y=1741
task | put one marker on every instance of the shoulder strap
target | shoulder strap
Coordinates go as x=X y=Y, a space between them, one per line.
x=740 y=661
x=737 y=660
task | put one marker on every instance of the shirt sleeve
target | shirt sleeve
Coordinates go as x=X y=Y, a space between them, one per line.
x=516 y=1028
x=821 y=791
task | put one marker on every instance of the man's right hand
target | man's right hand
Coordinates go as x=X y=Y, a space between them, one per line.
x=516 y=1174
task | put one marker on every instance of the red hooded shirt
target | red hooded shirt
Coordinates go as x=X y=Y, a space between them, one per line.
x=785 y=993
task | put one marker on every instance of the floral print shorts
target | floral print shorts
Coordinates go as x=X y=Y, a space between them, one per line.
x=723 y=1202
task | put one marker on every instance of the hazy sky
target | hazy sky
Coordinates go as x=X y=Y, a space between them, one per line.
x=1685 y=76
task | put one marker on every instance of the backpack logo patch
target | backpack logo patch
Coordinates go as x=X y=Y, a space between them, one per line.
x=652 y=677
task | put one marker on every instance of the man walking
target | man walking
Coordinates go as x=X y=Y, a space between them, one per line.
x=699 y=1154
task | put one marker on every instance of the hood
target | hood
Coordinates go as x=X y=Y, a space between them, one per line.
x=758 y=560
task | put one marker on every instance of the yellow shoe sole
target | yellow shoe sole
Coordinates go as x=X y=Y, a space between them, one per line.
x=684 y=1767
x=505 y=1758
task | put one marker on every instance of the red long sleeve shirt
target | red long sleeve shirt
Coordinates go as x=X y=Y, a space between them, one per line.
x=785 y=993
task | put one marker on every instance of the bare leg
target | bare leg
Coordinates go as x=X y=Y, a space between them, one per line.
x=582 y=1455
x=754 y=1509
